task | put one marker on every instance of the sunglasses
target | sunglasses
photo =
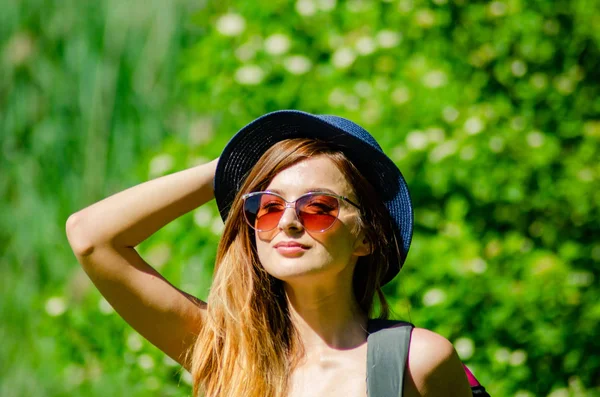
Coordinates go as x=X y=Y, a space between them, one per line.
x=316 y=211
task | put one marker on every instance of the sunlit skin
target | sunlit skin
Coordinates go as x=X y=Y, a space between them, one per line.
x=318 y=283
x=317 y=280
x=328 y=254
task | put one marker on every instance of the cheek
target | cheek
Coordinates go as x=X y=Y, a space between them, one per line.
x=263 y=249
x=339 y=244
x=339 y=248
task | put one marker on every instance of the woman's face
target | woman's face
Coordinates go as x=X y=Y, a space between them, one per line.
x=322 y=254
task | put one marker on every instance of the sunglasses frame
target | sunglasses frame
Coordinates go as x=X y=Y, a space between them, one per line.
x=292 y=204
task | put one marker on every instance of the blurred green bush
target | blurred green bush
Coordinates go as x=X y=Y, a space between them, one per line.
x=491 y=110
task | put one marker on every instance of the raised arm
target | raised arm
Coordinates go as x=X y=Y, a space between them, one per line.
x=103 y=237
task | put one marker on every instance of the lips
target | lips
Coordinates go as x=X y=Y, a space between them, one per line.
x=290 y=244
x=291 y=248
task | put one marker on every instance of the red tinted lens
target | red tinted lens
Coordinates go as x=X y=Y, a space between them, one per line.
x=263 y=211
x=317 y=212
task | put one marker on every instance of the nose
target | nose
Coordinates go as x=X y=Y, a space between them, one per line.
x=289 y=220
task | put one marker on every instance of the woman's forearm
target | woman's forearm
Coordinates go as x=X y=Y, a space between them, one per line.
x=129 y=217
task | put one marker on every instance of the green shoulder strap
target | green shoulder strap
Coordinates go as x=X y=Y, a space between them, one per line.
x=387 y=352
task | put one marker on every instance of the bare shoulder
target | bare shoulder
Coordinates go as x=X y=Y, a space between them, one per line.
x=428 y=349
x=434 y=368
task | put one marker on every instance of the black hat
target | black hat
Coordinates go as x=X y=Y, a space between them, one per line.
x=251 y=142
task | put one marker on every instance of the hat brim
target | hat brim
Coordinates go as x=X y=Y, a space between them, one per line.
x=252 y=141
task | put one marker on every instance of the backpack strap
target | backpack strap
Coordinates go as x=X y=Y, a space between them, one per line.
x=476 y=387
x=387 y=352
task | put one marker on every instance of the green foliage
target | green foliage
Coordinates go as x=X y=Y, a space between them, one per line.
x=490 y=109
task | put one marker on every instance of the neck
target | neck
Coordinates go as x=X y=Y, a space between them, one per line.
x=327 y=316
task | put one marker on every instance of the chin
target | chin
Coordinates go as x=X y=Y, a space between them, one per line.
x=291 y=273
x=293 y=270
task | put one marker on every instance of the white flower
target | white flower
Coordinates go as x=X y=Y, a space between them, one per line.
x=401 y=95
x=502 y=355
x=518 y=68
x=146 y=362
x=518 y=357
x=399 y=153
x=217 y=226
x=306 y=7
x=562 y=392
x=539 y=81
x=249 y=75
x=433 y=297
x=351 y=102
x=581 y=278
x=372 y=112
x=297 y=64
x=365 y=45
x=450 y=114
x=465 y=348
x=497 y=8
x=496 y=144
x=357 y=6
x=200 y=131
x=134 y=342
x=343 y=58
x=197 y=160
x=435 y=134
x=56 y=306
x=19 y=49
x=203 y=216
x=474 y=125
x=564 y=85
x=416 y=140
x=231 y=24
x=187 y=378
x=334 y=40
x=435 y=79
x=245 y=52
x=105 y=307
x=169 y=362
x=388 y=38
x=478 y=266
x=363 y=88
x=405 y=6
x=442 y=151
x=277 y=44
x=535 y=139
x=425 y=18
x=336 y=98
x=326 y=5
x=159 y=255
x=585 y=175
x=161 y=164
x=74 y=374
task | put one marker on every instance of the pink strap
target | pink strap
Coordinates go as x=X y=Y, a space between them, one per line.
x=472 y=380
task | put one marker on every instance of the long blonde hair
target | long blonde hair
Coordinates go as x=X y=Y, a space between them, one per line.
x=248 y=345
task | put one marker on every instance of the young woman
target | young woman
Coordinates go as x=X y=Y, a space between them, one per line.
x=317 y=219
